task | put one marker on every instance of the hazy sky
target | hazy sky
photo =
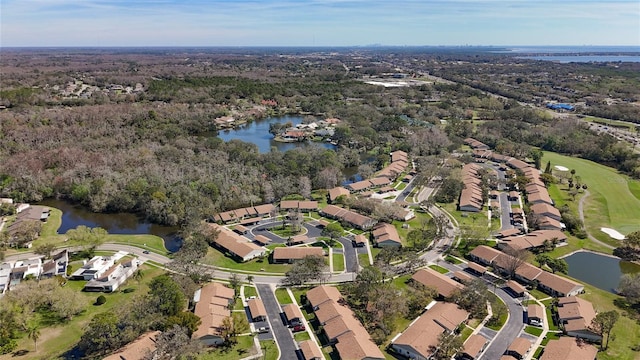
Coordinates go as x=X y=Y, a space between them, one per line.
x=318 y=22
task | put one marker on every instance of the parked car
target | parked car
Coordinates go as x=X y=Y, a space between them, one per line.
x=262 y=330
x=297 y=328
x=145 y=252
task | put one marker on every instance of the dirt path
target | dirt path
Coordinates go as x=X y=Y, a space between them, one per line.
x=581 y=213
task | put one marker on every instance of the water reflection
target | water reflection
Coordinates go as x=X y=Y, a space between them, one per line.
x=115 y=223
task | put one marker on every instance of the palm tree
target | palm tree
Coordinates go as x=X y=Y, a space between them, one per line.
x=33 y=332
x=138 y=275
x=250 y=279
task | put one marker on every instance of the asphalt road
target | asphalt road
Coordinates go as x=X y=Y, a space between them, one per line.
x=350 y=255
x=509 y=331
x=283 y=335
x=505 y=210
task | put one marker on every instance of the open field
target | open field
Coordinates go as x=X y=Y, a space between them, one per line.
x=611 y=202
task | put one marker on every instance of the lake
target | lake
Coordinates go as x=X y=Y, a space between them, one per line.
x=601 y=271
x=257 y=132
x=115 y=223
x=564 y=59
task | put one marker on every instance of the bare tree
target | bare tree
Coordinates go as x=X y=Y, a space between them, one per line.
x=513 y=260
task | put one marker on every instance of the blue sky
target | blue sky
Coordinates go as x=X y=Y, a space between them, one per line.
x=318 y=22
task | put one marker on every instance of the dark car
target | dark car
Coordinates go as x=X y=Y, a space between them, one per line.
x=146 y=252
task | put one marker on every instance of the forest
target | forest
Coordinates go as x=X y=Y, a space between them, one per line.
x=134 y=131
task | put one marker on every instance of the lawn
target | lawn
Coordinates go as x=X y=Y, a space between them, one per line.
x=243 y=348
x=611 y=202
x=538 y=294
x=283 y=296
x=149 y=242
x=215 y=257
x=400 y=282
x=301 y=336
x=533 y=330
x=56 y=339
x=286 y=232
x=493 y=299
x=439 y=269
x=363 y=259
x=452 y=260
x=250 y=291
x=465 y=333
x=270 y=350
x=338 y=262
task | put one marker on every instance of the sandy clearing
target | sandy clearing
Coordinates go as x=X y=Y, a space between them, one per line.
x=613 y=233
x=561 y=168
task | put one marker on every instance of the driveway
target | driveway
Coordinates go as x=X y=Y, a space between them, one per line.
x=350 y=255
x=505 y=210
x=283 y=335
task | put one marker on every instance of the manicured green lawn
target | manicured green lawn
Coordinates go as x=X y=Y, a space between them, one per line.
x=270 y=350
x=550 y=336
x=283 y=296
x=338 y=262
x=52 y=225
x=538 y=294
x=215 y=257
x=535 y=331
x=439 y=269
x=56 y=339
x=400 y=282
x=363 y=259
x=465 y=333
x=301 y=336
x=611 y=203
x=493 y=299
x=149 y=242
x=243 y=348
x=250 y=291
x=452 y=260
x=286 y=232
x=536 y=354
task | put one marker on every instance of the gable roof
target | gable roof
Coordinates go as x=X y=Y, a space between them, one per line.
x=519 y=346
x=296 y=253
x=235 y=243
x=256 y=308
x=338 y=191
x=356 y=346
x=322 y=293
x=310 y=349
x=137 y=349
x=433 y=279
x=535 y=311
x=291 y=311
x=210 y=309
x=473 y=345
x=422 y=334
x=567 y=348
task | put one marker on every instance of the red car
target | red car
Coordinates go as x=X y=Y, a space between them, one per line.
x=298 y=328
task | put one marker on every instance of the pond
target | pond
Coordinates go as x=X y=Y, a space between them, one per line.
x=115 y=223
x=257 y=132
x=599 y=270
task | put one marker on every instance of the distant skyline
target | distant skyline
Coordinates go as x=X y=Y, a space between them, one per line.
x=318 y=22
